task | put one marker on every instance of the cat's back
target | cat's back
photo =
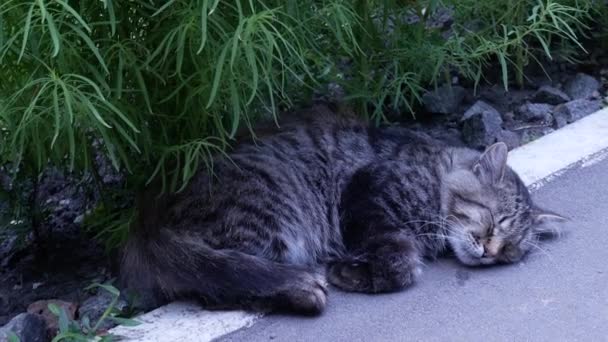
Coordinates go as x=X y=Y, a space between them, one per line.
x=308 y=150
x=277 y=195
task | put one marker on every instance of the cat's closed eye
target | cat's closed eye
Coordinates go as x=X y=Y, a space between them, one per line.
x=503 y=219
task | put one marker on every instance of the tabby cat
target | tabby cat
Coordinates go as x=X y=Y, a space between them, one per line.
x=328 y=199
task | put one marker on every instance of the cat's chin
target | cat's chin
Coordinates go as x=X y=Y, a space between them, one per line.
x=467 y=258
x=470 y=260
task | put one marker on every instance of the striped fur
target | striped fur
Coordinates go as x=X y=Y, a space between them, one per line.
x=331 y=195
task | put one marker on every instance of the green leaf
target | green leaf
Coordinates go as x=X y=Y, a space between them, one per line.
x=127 y=322
x=71 y=337
x=86 y=322
x=236 y=109
x=12 y=337
x=87 y=40
x=2 y=28
x=107 y=287
x=75 y=14
x=204 y=32
x=108 y=338
x=91 y=83
x=26 y=31
x=93 y=110
x=119 y=75
x=54 y=309
x=69 y=121
x=57 y=115
x=213 y=7
x=125 y=135
x=122 y=116
x=143 y=89
x=50 y=24
x=544 y=44
x=63 y=320
x=219 y=67
x=163 y=7
x=505 y=73
x=181 y=50
x=110 y=6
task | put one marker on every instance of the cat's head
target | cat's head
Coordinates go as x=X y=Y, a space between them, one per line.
x=490 y=214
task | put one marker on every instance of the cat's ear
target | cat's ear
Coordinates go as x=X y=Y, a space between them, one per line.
x=492 y=163
x=547 y=222
x=541 y=216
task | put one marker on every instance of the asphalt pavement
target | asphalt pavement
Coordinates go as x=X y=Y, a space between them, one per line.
x=559 y=293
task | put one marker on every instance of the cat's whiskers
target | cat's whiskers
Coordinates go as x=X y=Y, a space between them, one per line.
x=440 y=224
x=535 y=245
x=443 y=236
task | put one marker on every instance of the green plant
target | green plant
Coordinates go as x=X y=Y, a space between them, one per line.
x=12 y=337
x=164 y=86
x=514 y=33
x=85 y=330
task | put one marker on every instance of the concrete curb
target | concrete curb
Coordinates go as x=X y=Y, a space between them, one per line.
x=541 y=158
x=181 y=321
x=583 y=143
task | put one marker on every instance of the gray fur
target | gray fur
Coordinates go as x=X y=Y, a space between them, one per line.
x=327 y=193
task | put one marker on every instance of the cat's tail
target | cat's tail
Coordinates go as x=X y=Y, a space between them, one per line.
x=173 y=265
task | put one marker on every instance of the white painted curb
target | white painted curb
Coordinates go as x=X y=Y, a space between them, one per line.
x=534 y=162
x=182 y=321
x=554 y=152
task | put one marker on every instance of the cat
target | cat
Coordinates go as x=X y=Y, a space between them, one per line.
x=325 y=199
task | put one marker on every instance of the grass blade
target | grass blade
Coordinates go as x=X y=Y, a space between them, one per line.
x=50 y=24
x=26 y=31
x=163 y=7
x=74 y=14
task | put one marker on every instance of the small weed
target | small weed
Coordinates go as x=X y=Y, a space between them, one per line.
x=85 y=330
x=12 y=337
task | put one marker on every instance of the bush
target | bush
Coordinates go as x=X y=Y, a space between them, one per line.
x=164 y=85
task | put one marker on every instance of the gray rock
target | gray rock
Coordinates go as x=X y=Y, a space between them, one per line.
x=444 y=99
x=496 y=96
x=550 y=95
x=511 y=139
x=450 y=136
x=27 y=327
x=6 y=182
x=574 y=110
x=41 y=308
x=503 y=100
x=479 y=107
x=94 y=307
x=534 y=133
x=481 y=125
x=7 y=248
x=534 y=112
x=559 y=120
x=581 y=86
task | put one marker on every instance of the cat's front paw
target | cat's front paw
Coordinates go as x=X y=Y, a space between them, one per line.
x=372 y=277
x=306 y=294
x=350 y=276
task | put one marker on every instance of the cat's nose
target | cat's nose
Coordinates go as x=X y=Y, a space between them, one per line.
x=492 y=246
x=485 y=253
x=488 y=253
x=491 y=250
